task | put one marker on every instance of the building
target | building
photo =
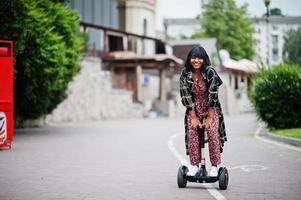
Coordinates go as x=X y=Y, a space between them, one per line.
x=269 y=37
x=122 y=34
x=100 y=18
x=180 y=28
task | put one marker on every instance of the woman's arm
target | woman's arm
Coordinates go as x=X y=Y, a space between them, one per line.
x=214 y=82
x=186 y=93
x=187 y=99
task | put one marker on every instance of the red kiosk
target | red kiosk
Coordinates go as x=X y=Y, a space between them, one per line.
x=6 y=94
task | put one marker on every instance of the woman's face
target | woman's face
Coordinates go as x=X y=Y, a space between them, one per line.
x=196 y=62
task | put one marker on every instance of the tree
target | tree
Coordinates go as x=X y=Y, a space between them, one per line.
x=276 y=12
x=292 y=46
x=47 y=45
x=229 y=24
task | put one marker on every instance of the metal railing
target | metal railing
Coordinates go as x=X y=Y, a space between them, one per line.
x=104 y=39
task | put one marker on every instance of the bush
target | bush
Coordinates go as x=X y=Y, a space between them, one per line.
x=276 y=94
x=47 y=45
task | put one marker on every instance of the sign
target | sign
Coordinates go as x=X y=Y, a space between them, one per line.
x=3 y=131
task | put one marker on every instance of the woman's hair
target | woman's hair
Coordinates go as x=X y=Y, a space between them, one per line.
x=197 y=51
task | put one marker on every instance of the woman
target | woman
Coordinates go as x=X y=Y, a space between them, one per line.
x=199 y=84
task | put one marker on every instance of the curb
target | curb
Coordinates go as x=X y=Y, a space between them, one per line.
x=278 y=138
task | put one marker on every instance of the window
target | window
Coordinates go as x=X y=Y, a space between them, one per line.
x=145 y=27
x=275 y=47
x=275 y=40
x=236 y=83
x=274 y=27
x=275 y=54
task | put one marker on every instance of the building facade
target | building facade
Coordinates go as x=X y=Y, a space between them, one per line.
x=269 y=37
x=126 y=16
x=122 y=34
x=180 y=28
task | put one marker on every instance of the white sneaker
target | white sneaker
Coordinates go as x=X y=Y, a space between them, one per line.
x=213 y=172
x=193 y=170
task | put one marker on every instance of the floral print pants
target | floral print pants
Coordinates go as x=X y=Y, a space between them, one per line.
x=201 y=103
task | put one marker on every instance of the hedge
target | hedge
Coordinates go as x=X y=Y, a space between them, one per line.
x=276 y=96
x=47 y=47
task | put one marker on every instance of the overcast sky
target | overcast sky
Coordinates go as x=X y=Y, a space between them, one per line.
x=191 y=8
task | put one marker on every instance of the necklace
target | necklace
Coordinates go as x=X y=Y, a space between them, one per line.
x=196 y=77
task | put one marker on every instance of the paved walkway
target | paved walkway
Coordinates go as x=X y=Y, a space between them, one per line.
x=130 y=159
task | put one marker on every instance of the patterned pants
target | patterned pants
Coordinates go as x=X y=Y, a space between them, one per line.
x=194 y=146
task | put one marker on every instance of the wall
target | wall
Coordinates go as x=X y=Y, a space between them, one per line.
x=91 y=97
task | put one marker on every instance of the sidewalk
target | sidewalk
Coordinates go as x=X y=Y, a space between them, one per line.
x=265 y=133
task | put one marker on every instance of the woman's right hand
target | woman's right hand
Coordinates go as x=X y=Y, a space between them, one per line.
x=195 y=122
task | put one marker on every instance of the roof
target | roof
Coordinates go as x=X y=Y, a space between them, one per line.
x=244 y=66
x=182 y=47
x=181 y=21
x=279 y=19
x=131 y=59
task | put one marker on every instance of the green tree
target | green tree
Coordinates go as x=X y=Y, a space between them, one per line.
x=228 y=23
x=292 y=46
x=47 y=45
x=276 y=12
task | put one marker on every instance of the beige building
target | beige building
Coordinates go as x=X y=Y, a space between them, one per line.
x=139 y=17
x=123 y=34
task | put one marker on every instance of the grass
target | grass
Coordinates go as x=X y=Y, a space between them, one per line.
x=294 y=132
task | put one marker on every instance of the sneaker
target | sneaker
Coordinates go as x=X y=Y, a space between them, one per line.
x=213 y=172
x=193 y=170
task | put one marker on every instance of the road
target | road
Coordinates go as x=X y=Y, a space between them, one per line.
x=133 y=159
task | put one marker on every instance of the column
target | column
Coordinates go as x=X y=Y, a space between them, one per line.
x=137 y=91
x=162 y=92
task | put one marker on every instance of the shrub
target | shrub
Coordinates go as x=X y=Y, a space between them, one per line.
x=47 y=45
x=276 y=96
x=276 y=93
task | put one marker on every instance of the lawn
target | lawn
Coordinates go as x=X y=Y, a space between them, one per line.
x=294 y=132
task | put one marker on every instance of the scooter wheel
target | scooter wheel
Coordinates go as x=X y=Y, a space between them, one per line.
x=182 y=181
x=223 y=178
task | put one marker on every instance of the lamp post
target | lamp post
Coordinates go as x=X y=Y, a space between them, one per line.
x=267 y=3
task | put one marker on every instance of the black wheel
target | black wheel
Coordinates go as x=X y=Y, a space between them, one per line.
x=223 y=178
x=182 y=181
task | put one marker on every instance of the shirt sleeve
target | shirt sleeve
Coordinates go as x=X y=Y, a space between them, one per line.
x=186 y=93
x=214 y=83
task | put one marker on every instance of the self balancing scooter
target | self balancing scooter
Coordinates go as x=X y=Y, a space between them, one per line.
x=201 y=176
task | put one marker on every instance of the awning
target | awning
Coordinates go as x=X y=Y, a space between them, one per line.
x=244 y=66
x=130 y=59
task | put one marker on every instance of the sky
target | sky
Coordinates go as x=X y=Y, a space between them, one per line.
x=191 y=8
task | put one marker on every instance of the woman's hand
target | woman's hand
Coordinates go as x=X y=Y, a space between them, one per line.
x=207 y=123
x=195 y=122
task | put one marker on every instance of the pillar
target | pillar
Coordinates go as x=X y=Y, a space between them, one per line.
x=138 y=89
x=162 y=92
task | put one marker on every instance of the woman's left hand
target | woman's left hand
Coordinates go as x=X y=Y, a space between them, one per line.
x=207 y=123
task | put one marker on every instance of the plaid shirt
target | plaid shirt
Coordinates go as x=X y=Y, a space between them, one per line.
x=213 y=81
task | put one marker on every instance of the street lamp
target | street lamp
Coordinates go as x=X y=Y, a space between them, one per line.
x=267 y=3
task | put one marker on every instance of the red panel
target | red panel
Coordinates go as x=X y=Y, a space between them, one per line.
x=6 y=89
x=3 y=51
